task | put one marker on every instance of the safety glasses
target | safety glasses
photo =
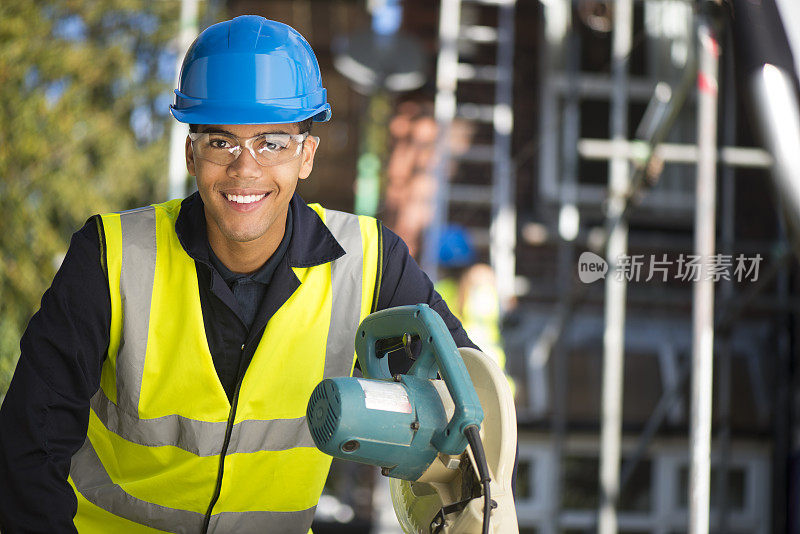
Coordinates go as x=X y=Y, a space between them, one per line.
x=267 y=149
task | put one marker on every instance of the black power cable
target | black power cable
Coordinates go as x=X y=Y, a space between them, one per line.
x=474 y=439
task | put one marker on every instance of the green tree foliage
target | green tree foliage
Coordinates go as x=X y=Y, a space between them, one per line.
x=84 y=90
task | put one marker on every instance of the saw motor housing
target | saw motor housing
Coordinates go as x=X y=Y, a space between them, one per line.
x=391 y=425
x=398 y=423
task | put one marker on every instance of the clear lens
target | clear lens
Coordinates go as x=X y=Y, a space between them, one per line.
x=273 y=143
x=267 y=149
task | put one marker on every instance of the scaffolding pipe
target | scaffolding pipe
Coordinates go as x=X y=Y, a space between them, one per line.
x=703 y=291
x=764 y=63
x=657 y=416
x=566 y=259
x=779 y=122
x=444 y=111
x=504 y=213
x=177 y=141
x=615 y=287
x=639 y=180
x=728 y=235
x=734 y=156
x=558 y=322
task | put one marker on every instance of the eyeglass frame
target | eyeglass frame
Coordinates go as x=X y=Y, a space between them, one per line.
x=248 y=144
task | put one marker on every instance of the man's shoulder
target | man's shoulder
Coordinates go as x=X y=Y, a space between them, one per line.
x=317 y=210
x=170 y=208
x=91 y=231
x=316 y=216
x=323 y=212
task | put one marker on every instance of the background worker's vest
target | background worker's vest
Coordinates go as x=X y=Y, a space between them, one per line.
x=474 y=302
x=158 y=423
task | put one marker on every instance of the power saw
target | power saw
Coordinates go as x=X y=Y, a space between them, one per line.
x=417 y=426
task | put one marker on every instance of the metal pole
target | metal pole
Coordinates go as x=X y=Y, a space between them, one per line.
x=566 y=261
x=177 y=141
x=725 y=353
x=651 y=428
x=444 y=111
x=559 y=417
x=763 y=57
x=615 y=288
x=504 y=213
x=703 y=291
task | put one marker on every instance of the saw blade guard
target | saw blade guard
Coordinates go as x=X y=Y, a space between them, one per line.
x=450 y=480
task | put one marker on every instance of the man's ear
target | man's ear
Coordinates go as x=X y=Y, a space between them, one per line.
x=190 y=157
x=309 y=150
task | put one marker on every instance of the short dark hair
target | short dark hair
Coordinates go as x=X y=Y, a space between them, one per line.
x=303 y=126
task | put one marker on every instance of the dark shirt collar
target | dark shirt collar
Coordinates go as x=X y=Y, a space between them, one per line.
x=310 y=242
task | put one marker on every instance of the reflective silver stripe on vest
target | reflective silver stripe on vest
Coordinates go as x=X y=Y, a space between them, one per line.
x=202 y=437
x=93 y=482
x=136 y=291
x=262 y=522
x=272 y=435
x=346 y=276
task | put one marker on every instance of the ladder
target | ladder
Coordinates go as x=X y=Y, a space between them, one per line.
x=476 y=182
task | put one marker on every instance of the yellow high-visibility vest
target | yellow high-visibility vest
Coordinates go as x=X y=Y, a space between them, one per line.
x=159 y=422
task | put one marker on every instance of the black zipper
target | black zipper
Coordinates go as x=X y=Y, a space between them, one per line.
x=225 y=444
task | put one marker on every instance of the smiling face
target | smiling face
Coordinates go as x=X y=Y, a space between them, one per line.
x=245 y=203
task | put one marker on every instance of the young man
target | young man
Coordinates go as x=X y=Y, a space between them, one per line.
x=162 y=385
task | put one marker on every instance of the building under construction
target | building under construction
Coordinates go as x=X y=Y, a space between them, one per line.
x=632 y=130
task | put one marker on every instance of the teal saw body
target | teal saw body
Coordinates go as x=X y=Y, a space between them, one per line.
x=398 y=423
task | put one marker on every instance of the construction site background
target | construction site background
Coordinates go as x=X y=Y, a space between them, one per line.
x=533 y=129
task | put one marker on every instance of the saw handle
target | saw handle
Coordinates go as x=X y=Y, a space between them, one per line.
x=438 y=356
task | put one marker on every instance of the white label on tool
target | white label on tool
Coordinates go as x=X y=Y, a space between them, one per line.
x=386 y=396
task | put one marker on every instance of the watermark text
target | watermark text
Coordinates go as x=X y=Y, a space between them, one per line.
x=661 y=268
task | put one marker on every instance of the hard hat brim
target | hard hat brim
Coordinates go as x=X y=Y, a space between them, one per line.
x=263 y=114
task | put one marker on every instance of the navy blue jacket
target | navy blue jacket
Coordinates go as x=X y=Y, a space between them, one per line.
x=45 y=414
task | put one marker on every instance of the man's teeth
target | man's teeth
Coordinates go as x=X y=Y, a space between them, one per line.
x=244 y=199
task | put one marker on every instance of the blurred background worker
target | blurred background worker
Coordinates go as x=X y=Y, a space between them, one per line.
x=568 y=139
x=470 y=291
x=164 y=381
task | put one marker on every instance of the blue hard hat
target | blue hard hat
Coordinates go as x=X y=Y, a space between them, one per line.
x=455 y=247
x=250 y=70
